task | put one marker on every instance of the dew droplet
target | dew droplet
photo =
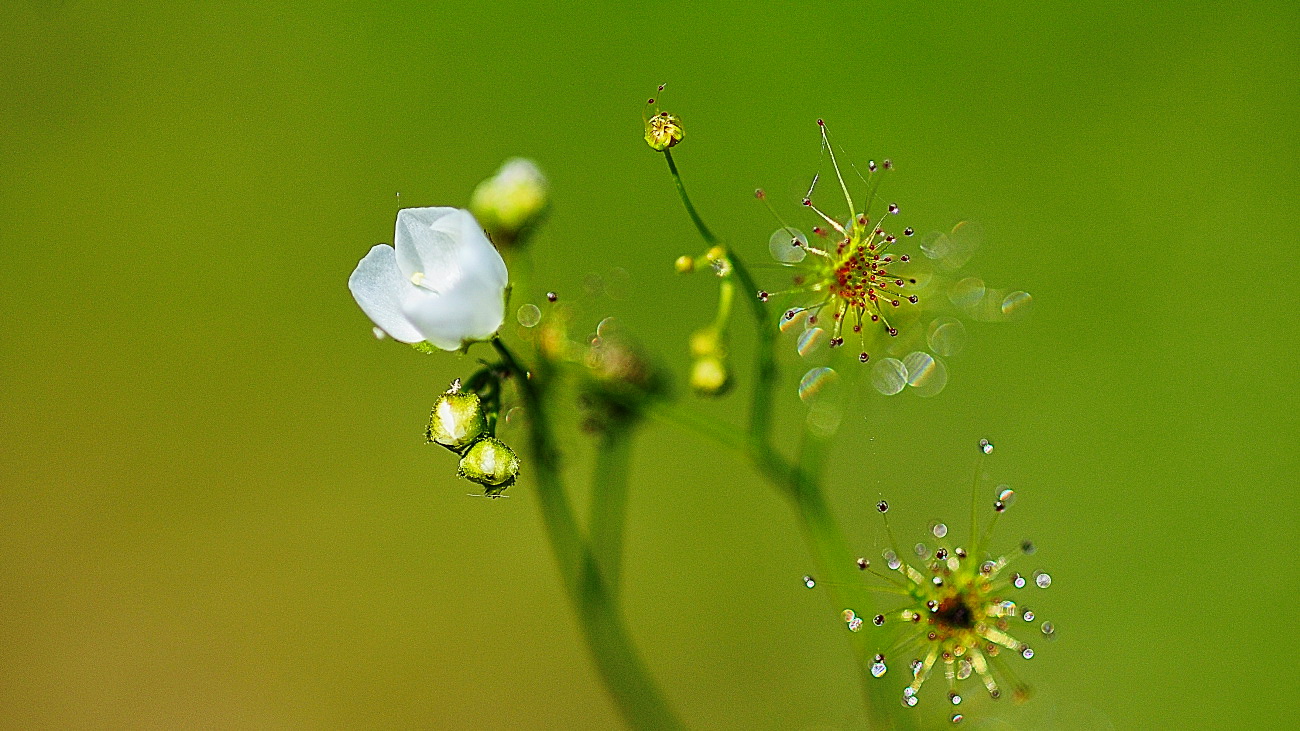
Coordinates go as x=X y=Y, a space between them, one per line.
x=892 y=560
x=1027 y=615
x=809 y=582
x=1049 y=629
x=936 y=245
x=986 y=446
x=815 y=381
x=810 y=341
x=606 y=327
x=1016 y=303
x=939 y=530
x=957 y=718
x=848 y=615
x=922 y=550
x=1018 y=581
x=1027 y=652
x=788 y=245
x=908 y=700
x=878 y=669
x=855 y=624
x=955 y=698
x=967 y=293
x=916 y=668
x=1043 y=579
x=925 y=373
x=889 y=376
x=964 y=669
x=946 y=336
x=1006 y=495
x=528 y=315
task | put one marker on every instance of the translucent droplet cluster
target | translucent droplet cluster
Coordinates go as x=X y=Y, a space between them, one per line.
x=962 y=609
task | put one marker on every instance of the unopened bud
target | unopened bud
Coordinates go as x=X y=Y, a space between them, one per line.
x=511 y=200
x=709 y=376
x=490 y=463
x=684 y=264
x=706 y=343
x=456 y=419
x=663 y=131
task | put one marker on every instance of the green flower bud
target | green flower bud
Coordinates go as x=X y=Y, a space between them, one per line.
x=664 y=130
x=709 y=376
x=491 y=464
x=511 y=200
x=456 y=419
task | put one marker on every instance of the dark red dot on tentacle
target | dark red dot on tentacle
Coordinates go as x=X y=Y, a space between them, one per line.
x=551 y=296
x=893 y=331
x=762 y=296
x=863 y=357
x=908 y=231
x=913 y=299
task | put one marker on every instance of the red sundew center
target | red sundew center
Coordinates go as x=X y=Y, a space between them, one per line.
x=955 y=612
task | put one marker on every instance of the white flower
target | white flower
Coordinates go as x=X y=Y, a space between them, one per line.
x=442 y=281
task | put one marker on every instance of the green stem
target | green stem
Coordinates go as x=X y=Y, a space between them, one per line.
x=838 y=567
x=690 y=208
x=760 y=413
x=609 y=490
x=625 y=676
x=799 y=481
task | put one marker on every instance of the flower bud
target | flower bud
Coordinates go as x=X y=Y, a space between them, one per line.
x=456 y=419
x=709 y=376
x=706 y=342
x=664 y=130
x=490 y=463
x=511 y=200
x=684 y=264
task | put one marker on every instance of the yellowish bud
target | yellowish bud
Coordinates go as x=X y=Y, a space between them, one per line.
x=511 y=200
x=490 y=463
x=706 y=342
x=709 y=376
x=684 y=264
x=456 y=420
x=664 y=130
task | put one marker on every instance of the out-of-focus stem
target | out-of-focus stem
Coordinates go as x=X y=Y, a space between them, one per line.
x=609 y=487
x=625 y=676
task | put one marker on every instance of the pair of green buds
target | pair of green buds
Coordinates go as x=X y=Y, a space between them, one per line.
x=459 y=423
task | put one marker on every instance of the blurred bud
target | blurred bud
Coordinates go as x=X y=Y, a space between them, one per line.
x=490 y=463
x=706 y=342
x=684 y=264
x=456 y=419
x=510 y=201
x=709 y=376
x=664 y=130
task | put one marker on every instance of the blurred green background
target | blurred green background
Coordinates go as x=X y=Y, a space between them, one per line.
x=217 y=506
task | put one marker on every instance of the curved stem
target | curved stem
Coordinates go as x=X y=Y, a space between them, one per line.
x=624 y=674
x=690 y=208
x=609 y=487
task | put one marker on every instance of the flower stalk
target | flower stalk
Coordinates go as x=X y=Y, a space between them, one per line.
x=637 y=696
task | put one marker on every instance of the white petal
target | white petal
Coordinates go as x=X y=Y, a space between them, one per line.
x=477 y=256
x=448 y=319
x=379 y=287
x=421 y=249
